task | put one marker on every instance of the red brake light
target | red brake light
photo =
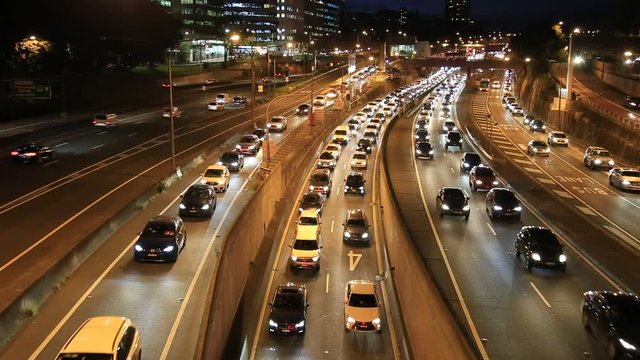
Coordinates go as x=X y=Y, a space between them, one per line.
x=14 y=153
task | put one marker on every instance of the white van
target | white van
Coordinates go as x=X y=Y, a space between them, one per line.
x=106 y=120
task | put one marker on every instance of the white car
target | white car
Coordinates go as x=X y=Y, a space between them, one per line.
x=217 y=176
x=625 y=179
x=360 y=116
x=361 y=307
x=215 y=106
x=388 y=111
x=334 y=149
x=516 y=110
x=424 y=115
x=277 y=123
x=376 y=122
x=359 y=160
x=495 y=85
x=374 y=105
x=558 y=138
x=102 y=338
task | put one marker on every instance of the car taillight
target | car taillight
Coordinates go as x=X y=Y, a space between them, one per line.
x=14 y=153
x=95 y=122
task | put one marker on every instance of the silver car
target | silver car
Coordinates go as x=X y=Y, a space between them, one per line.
x=625 y=178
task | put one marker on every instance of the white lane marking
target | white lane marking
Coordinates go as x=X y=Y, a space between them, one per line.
x=522 y=146
x=586 y=210
x=491 y=228
x=354 y=259
x=326 y=286
x=62 y=144
x=533 y=170
x=513 y=153
x=540 y=294
x=623 y=235
x=453 y=172
x=520 y=161
x=507 y=147
x=332 y=222
x=196 y=277
x=546 y=181
x=139 y=122
x=132 y=134
x=97 y=146
x=564 y=194
x=498 y=139
x=102 y=132
x=50 y=162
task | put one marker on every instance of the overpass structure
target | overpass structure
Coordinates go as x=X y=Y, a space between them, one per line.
x=425 y=64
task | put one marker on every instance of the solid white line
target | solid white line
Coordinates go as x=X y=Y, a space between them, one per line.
x=62 y=144
x=196 y=277
x=453 y=172
x=540 y=294
x=97 y=146
x=326 y=287
x=491 y=228
x=586 y=210
x=102 y=132
x=332 y=222
x=132 y=134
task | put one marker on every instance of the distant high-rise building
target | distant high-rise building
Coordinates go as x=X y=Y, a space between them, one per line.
x=254 y=18
x=404 y=18
x=457 y=11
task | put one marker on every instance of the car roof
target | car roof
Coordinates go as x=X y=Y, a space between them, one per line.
x=362 y=287
x=309 y=213
x=216 y=167
x=597 y=148
x=96 y=335
x=355 y=214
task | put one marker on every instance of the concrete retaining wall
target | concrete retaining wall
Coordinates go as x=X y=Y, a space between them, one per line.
x=626 y=85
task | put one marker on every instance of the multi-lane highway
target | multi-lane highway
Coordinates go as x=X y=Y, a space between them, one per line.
x=515 y=314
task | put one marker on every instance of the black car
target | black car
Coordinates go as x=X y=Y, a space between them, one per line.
x=232 y=160
x=161 y=240
x=537 y=125
x=288 y=312
x=261 y=133
x=32 y=153
x=453 y=138
x=614 y=320
x=632 y=102
x=303 y=109
x=469 y=160
x=356 y=227
x=424 y=150
x=538 y=246
x=364 y=144
x=502 y=202
x=354 y=183
x=240 y=100
x=198 y=200
x=421 y=124
x=453 y=201
x=312 y=201
x=422 y=135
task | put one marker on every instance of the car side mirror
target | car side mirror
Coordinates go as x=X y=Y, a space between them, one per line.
x=291 y=246
x=307 y=304
x=181 y=196
x=365 y=181
x=320 y=246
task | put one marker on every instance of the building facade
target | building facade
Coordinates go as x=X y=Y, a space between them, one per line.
x=457 y=11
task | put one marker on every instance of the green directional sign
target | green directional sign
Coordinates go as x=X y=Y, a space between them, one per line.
x=30 y=89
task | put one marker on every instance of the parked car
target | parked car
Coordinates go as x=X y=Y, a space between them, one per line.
x=537 y=246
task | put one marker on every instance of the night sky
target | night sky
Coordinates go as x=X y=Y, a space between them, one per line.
x=522 y=10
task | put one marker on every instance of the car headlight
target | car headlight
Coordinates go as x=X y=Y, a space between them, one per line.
x=219 y=163
x=361 y=187
x=445 y=207
x=376 y=322
x=365 y=235
x=544 y=126
x=517 y=208
x=315 y=258
x=417 y=136
x=466 y=208
x=294 y=258
x=237 y=146
x=251 y=147
x=417 y=126
x=562 y=258
x=272 y=323
x=597 y=161
x=466 y=165
x=300 y=209
x=335 y=137
x=430 y=152
x=626 y=345
x=535 y=126
x=138 y=248
x=205 y=207
x=325 y=188
x=347 y=234
x=611 y=162
x=534 y=149
x=181 y=206
x=418 y=151
x=494 y=182
x=310 y=187
x=546 y=150
x=478 y=182
x=235 y=163
x=448 y=140
x=300 y=324
x=625 y=182
x=497 y=207
x=169 y=248
x=350 y=321
x=535 y=256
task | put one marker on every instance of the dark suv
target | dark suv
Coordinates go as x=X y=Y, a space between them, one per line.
x=354 y=183
x=356 y=227
x=469 y=160
x=538 y=246
x=453 y=201
x=453 y=138
x=288 y=312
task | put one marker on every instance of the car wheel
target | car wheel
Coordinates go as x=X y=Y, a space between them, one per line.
x=466 y=217
x=585 y=319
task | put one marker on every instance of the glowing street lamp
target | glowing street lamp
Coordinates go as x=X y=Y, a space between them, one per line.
x=527 y=59
x=628 y=53
x=570 y=63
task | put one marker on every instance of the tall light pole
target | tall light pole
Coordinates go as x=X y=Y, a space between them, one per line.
x=570 y=65
x=173 y=139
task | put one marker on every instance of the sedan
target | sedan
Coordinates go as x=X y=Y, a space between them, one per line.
x=359 y=160
x=422 y=135
x=537 y=125
x=537 y=246
x=538 y=147
x=469 y=160
x=326 y=160
x=625 y=179
x=288 y=311
x=453 y=201
x=424 y=150
x=502 y=202
x=361 y=306
x=312 y=201
x=334 y=149
x=248 y=144
x=449 y=125
x=277 y=123
x=198 y=200
x=360 y=116
x=482 y=177
x=232 y=160
x=303 y=109
x=167 y=113
x=32 y=153
x=216 y=176
x=558 y=138
x=364 y=144
x=613 y=318
x=421 y=124
x=161 y=240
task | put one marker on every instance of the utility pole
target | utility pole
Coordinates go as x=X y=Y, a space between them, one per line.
x=173 y=142
x=253 y=87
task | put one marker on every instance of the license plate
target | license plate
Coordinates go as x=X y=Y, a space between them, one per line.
x=550 y=263
x=152 y=254
x=193 y=211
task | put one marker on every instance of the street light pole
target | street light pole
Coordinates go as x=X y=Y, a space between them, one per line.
x=173 y=142
x=253 y=87
x=570 y=65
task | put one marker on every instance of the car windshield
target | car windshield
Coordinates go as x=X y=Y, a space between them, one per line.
x=454 y=196
x=630 y=173
x=625 y=310
x=305 y=245
x=326 y=156
x=506 y=198
x=28 y=148
x=229 y=157
x=158 y=230
x=424 y=146
x=360 y=156
x=276 y=119
x=214 y=173
x=354 y=180
x=101 y=117
x=238 y=99
x=544 y=238
x=453 y=135
x=81 y=356
x=602 y=153
x=370 y=134
x=247 y=139
x=288 y=301
x=379 y=115
x=538 y=143
x=259 y=132
x=356 y=222
x=306 y=220
x=484 y=171
x=353 y=121
x=559 y=135
x=303 y=107
x=472 y=159
x=312 y=199
x=341 y=132
x=320 y=177
x=363 y=300
x=197 y=193
x=220 y=97
x=422 y=133
x=364 y=142
x=332 y=148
